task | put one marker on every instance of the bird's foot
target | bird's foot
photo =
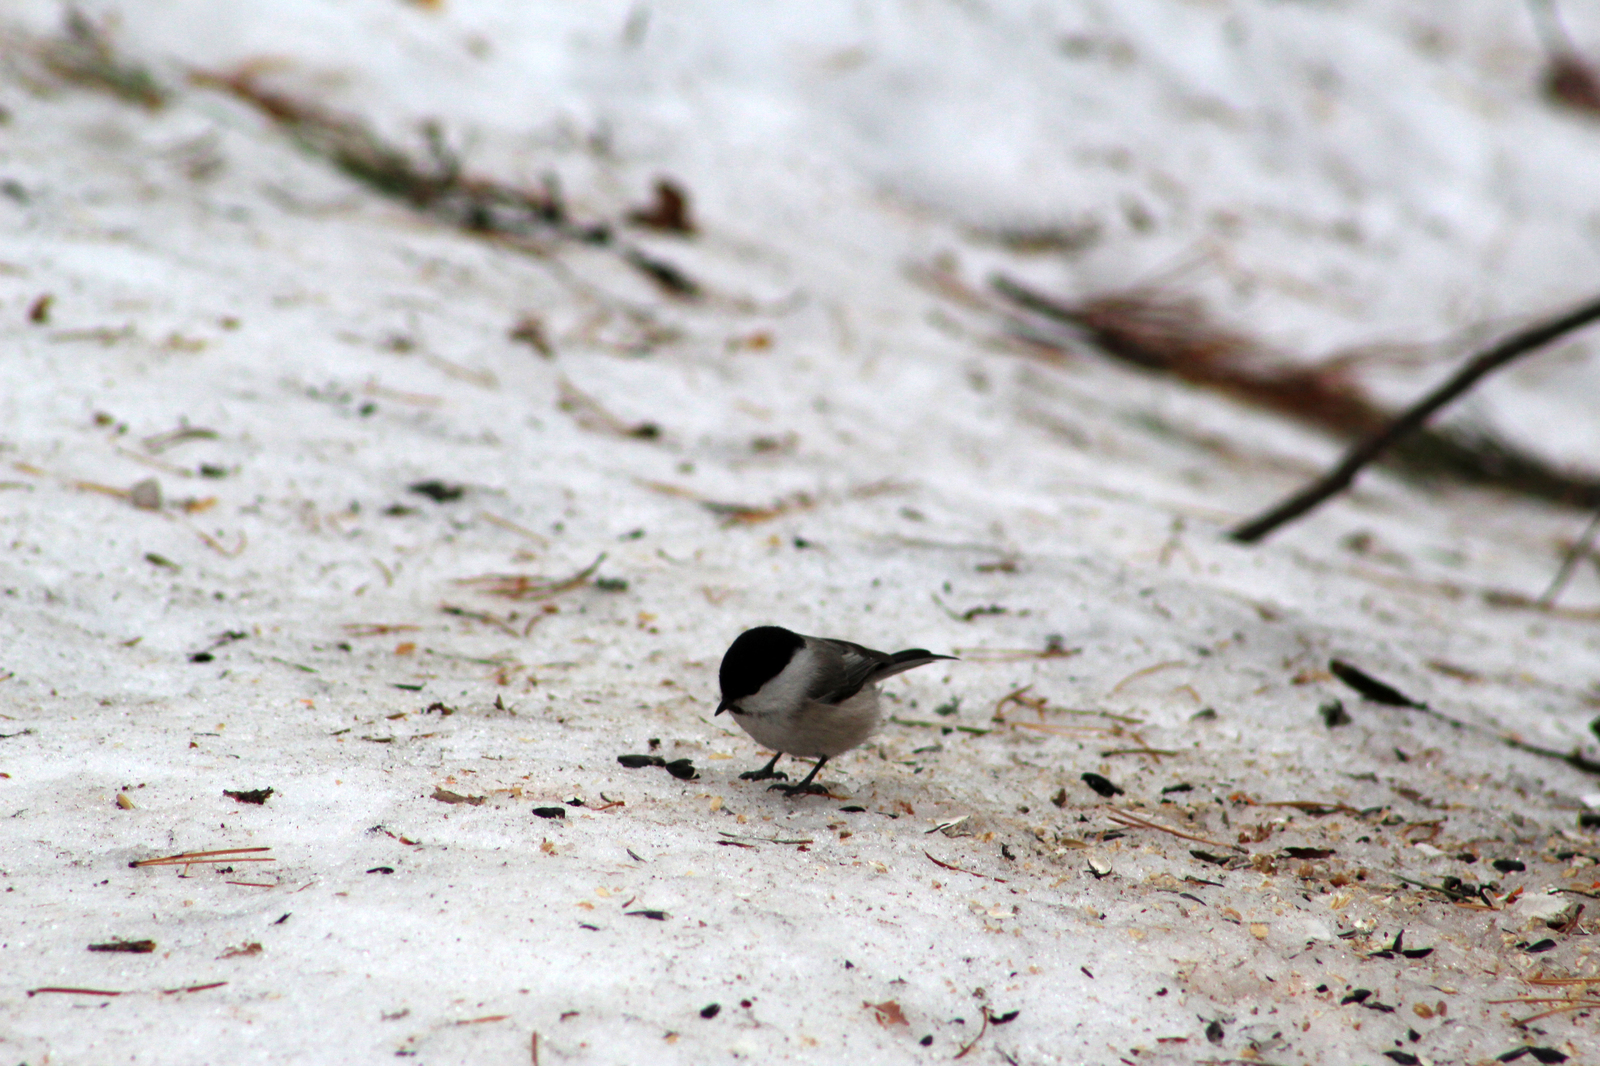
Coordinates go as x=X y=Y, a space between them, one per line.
x=764 y=774
x=808 y=788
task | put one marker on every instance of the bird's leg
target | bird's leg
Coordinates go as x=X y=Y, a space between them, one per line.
x=807 y=785
x=765 y=772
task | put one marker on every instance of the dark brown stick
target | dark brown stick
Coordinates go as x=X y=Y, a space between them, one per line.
x=1340 y=477
x=1170 y=333
x=1580 y=548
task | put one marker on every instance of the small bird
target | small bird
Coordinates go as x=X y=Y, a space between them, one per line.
x=812 y=697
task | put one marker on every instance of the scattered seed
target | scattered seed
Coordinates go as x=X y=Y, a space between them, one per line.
x=530 y=331
x=1211 y=857
x=550 y=812
x=146 y=495
x=1370 y=687
x=669 y=210
x=437 y=491
x=634 y=762
x=1102 y=785
x=1333 y=714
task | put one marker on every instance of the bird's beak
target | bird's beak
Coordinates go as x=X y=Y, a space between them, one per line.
x=723 y=706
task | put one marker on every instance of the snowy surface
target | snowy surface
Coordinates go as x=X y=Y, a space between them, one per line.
x=1325 y=175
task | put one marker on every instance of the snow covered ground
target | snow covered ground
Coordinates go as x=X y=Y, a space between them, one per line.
x=286 y=353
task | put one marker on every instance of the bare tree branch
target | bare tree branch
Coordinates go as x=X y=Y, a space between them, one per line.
x=1340 y=477
x=1580 y=548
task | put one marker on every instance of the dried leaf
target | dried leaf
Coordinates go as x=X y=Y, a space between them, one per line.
x=887 y=1013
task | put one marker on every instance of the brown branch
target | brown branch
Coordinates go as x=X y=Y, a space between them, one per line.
x=966 y=1050
x=435 y=184
x=85 y=54
x=526 y=586
x=1170 y=333
x=194 y=858
x=1340 y=477
x=1134 y=821
x=959 y=870
x=1580 y=548
x=1568 y=78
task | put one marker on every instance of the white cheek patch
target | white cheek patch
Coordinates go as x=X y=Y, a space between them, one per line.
x=787 y=691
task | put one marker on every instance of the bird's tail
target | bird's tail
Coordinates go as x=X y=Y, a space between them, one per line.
x=901 y=661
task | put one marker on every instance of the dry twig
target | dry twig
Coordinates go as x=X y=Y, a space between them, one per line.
x=735 y=514
x=529 y=587
x=1134 y=821
x=1580 y=548
x=1567 y=1005
x=1160 y=331
x=590 y=414
x=1561 y=982
x=959 y=870
x=1015 y=655
x=488 y=619
x=84 y=54
x=1569 y=79
x=191 y=858
x=378 y=629
x=1155 y=753
x=1478 y=367
x=438 y=186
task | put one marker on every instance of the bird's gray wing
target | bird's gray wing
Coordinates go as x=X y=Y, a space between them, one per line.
x=845 y=669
